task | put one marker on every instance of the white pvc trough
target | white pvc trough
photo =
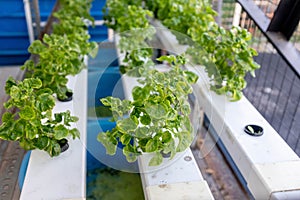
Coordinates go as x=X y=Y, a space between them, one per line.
x=179 y=178
x=62 y=177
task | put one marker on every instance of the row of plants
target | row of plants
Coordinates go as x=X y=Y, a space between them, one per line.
x=225 y=54
x=157 y=119
x=29 y=117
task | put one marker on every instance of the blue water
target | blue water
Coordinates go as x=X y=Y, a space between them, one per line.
x=107 y=176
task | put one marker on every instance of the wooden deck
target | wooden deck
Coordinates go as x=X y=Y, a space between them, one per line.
x=10 y=152
x=222 y=181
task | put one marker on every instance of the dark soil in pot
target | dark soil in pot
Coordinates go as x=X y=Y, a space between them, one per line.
x=64 y=145
x=69 y=97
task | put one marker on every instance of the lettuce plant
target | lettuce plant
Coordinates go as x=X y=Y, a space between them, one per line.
x=29 y=118
x=225 y=54
x=157 y=119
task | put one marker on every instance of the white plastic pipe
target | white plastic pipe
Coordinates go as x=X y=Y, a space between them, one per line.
x=28 y=20
x=237 y=14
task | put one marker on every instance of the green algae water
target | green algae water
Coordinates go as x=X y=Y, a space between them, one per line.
x=110 y=184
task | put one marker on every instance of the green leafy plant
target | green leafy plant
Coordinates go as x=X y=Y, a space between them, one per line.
x=184 y=15
x=32 y=123
x=29 y=118
x=225 y=54
x=227 y=59
x=75 y=8
x=124 y=15
x=157 y=119
x=58 y=57
x=74 y=19
x=62 y=53
x=137 y=51
x=131 y=21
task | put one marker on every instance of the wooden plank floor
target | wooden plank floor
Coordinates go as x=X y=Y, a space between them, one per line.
x=10 y=152
x=222 y=181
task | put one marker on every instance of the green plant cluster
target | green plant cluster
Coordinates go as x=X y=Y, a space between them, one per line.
x=158 y=115
x=29 y=118
x=227 y=60
x=225 y=54
x=124 y=15
x=33 y=124
x=74 y=18
x=132 y=22
x=158 y=118
x=137 y=52
x=62 y=53
x=184 y=15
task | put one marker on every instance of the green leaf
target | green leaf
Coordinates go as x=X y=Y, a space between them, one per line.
x=60 y=132
x=191 y=77
x=169 y=59
x=32 y=83
x=139 y=93
x=94 y=49
x=156 y=159
x=166 y=137
x=75 y=133
x=29 y=65
x=19 y=129
x=53 y=149
x=107 y=101
x=15 y=92
x=37 y=46
x=184 y=141
x=142 y=132
x=125 y=139
x=170 y=147
x=126 y=125
x=7 y=117
x=5 y=131
x=9 y=83
x=43 y=91
x=42 y=142
x=187 y=124
x=129 y=152
x=156 y=111
x=152 y=145
x=110 y=147
x=31 y=131
x=27 y=113
x=145 y=119
x=58 y=117
x=236 y=95
x=46 y=102
x=26 y=144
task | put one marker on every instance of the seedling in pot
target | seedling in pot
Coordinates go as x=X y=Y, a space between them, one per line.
x=29 y=117
x=157 y=119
